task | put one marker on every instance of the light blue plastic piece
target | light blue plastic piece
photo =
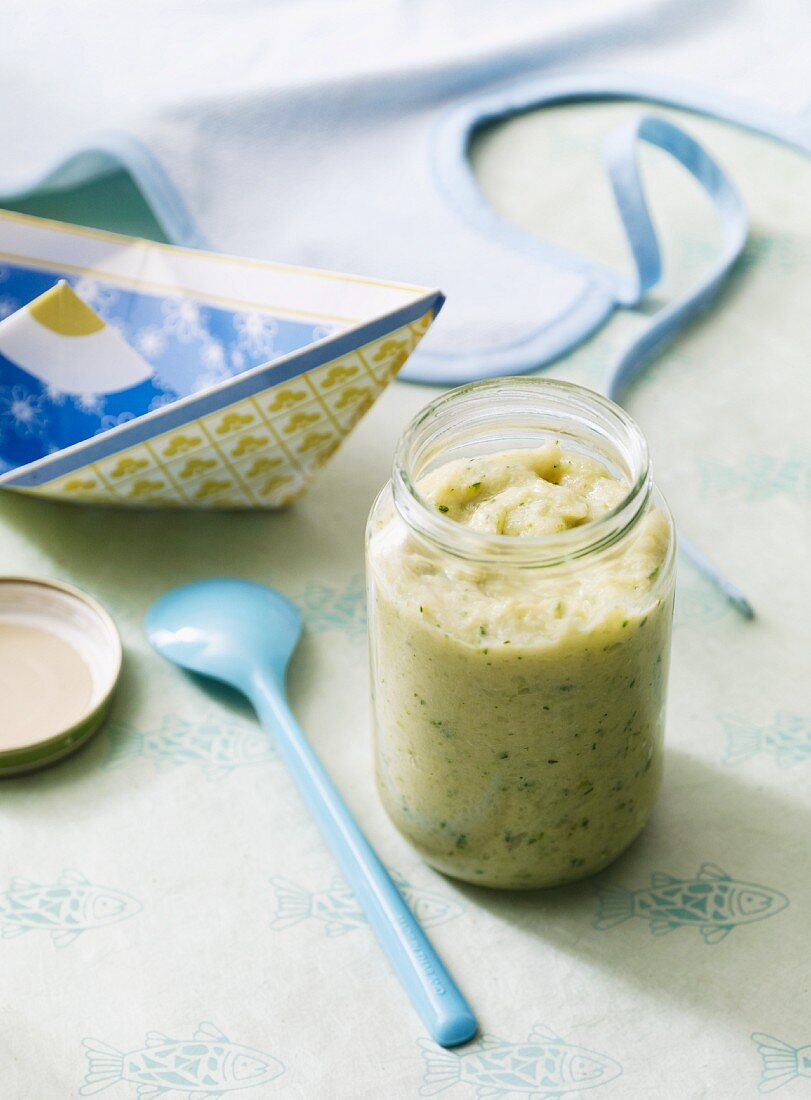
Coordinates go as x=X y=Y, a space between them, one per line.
x=607 y=288
x=244 y=634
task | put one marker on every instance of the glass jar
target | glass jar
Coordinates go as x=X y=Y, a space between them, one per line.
x=519 y=682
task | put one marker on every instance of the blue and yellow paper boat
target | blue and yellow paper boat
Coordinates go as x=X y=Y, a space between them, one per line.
x=143 y=374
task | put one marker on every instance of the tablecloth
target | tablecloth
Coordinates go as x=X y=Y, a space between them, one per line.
x=193 y=932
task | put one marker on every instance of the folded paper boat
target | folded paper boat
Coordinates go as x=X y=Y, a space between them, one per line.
x=143 y=374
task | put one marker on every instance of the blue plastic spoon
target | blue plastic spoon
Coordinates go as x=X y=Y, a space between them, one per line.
x=244 y=634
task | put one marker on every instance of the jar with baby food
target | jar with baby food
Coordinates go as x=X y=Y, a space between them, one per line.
x=520 y=568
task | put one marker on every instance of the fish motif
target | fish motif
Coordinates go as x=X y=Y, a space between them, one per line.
x=338 y=910
x=325 y=607
x=778 y=249
x=216 y=746
x=64 y=909
x=787 y=740
x=697 y=602
x=545 y=1066
x=762 y=477
x=204 y=1067
x=713 y=902
x=781 y=1062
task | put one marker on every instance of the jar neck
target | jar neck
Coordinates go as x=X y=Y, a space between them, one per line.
x=511 y=414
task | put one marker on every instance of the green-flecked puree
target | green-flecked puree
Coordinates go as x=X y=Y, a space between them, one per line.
x=519 y=712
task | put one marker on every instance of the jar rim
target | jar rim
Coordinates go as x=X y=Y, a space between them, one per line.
x=585 y=407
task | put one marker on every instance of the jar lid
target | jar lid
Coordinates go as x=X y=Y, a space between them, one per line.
x=60 y=658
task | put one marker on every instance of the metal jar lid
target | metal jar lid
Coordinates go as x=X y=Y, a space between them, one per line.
x=60 y=659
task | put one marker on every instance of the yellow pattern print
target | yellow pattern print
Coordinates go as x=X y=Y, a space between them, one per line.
x=146 y=488
x=210 y=487
x=126 y=466
x=178 y=444
x=327 y=452
x=300 y=420
x=312 y=440
x=337 y=374
x=286 y=399
x=196 y=466
x=232 y=422
x=263 y=465
x=241 y=444
x=392 y=353
x=274 y=483
x=361 y=394
x=80 y=485
x=248 y=444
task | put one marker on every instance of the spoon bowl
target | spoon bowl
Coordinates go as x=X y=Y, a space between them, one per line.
x=226 y=628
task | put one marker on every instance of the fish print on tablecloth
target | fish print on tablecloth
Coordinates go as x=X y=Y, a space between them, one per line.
x=773 y=252
x=697 y=602
x=325 y=607
x=713 y=902
x=787 y=740
x=218 y=746
x=782 y=1063
x=64 y=909
x=762 y=477
x=204 y=1067
x=338 y=910
x=779 y=251
x=542 y=1068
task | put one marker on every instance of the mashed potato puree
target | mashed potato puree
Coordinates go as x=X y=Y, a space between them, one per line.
x=519 y=712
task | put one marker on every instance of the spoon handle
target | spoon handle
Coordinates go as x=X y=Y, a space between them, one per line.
x=432 y=990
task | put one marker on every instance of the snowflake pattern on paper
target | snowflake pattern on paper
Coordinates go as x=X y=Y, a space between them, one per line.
x=21 y=411
x=182 y=318
x=255 y=333
x=189 y=347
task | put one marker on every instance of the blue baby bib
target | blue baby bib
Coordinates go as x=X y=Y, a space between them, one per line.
x=584 y=292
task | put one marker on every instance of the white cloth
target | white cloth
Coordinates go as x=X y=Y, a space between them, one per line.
x=303 y=131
